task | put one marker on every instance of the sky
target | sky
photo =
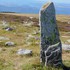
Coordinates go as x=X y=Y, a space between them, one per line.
x=21 y=2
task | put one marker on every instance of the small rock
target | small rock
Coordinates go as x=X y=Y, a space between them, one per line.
x=9 y=43
x=24 y=52
x=8 y=29
x=68 y=22
x=37 y=43
x=27 y=24
x=31 y=17
x=4 y=23
x=31 y=36
x=39 y=24
x=65 y=36
x=3 y=38
x=65 y=47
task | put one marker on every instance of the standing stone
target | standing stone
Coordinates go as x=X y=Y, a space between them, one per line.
x=51 y=48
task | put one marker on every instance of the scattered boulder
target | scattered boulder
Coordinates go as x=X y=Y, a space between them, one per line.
x=9 y=43
x=65 y=47
x=31 y=17
x=24 y=52
x=28 y=24
x=37 y=43
x=4 y=23
x=8 y=28
x=3 y=38
x=68 y=22
x=65 y=36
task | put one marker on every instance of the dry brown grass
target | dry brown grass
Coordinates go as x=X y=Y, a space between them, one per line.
x=27 y=15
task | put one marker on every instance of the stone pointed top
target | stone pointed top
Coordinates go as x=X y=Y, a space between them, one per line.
x=47 y=5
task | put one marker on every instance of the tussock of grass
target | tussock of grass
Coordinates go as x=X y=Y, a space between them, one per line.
x=39 y=67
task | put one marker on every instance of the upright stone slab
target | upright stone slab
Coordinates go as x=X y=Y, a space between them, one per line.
x=51 y=49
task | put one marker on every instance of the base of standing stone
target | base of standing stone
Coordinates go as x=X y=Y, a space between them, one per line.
x=51 y=56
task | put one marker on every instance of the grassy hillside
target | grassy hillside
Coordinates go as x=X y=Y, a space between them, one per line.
x=26 y=35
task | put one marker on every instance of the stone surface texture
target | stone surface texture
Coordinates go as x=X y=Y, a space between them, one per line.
x=24 y=52
x=9 y=43
x=51 y=48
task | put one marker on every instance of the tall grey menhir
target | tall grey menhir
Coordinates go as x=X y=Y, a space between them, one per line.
x=51 y=48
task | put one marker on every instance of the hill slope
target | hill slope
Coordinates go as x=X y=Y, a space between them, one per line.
x=34 y=8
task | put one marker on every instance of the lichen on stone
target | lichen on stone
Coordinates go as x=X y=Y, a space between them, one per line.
x=52 y=20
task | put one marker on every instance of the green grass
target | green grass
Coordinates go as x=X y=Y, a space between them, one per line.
x=39 y=67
